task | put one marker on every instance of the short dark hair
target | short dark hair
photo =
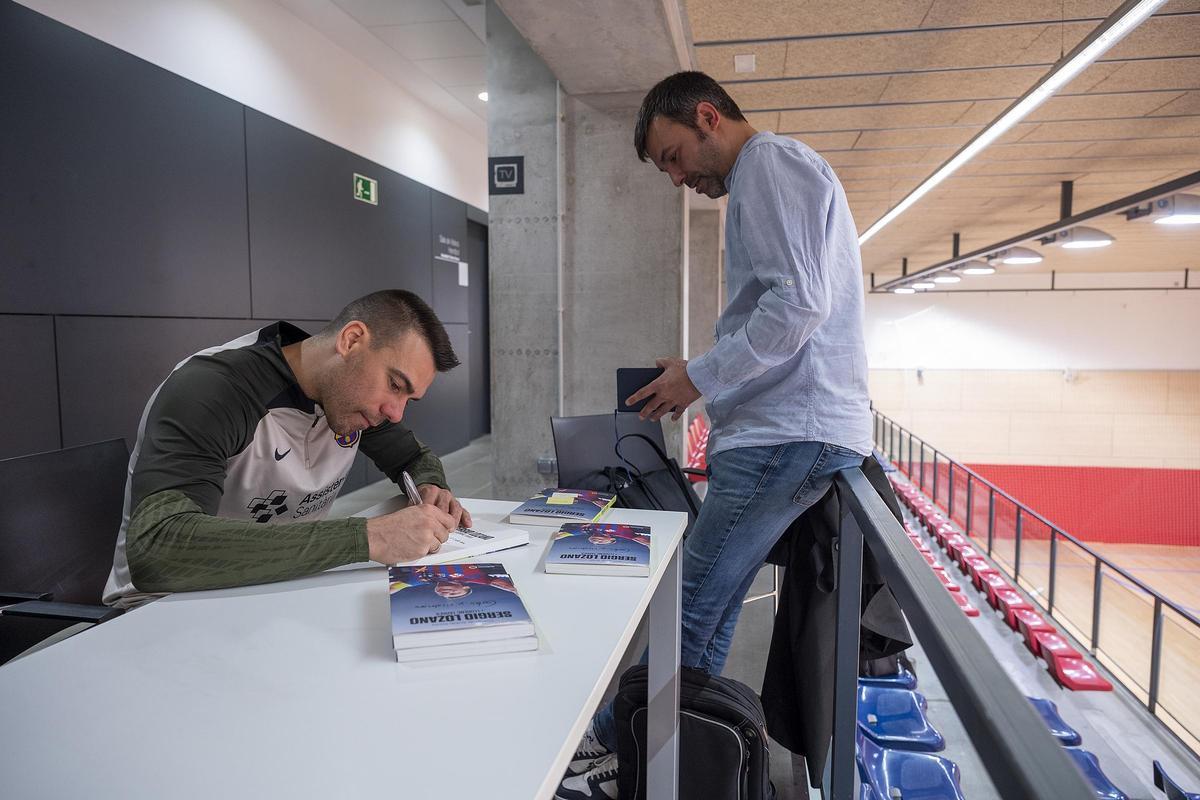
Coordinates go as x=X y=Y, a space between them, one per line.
x=392 y=312
x=676 y=98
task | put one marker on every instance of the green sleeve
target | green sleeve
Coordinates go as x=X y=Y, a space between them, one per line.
x=173 y=546
x=394 y=449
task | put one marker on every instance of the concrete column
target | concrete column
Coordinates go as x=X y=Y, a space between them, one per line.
x=621 y=258
x=704 y=278
x=522 y=261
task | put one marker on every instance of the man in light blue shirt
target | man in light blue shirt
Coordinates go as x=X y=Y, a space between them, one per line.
x=785 y=381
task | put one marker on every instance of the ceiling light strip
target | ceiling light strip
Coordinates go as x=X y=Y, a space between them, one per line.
x=1115 y=207
x=1130 y=14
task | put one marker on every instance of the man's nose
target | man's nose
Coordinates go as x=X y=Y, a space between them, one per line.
x=677 y=176
x=394 y=410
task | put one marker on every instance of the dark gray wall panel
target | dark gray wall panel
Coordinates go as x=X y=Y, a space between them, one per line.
x=313 y=247
x=109 y=366
x=440 y=419
x=29 y=393
x=449 y=236
x=122 y=186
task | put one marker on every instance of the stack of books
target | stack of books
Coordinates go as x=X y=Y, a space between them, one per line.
x=452 y=610
x=552 y=506
x=600 y=549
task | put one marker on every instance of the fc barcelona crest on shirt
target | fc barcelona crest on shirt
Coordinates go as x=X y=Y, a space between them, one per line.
x=346 y=439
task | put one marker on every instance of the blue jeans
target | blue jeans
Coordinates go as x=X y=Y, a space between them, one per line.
x=754 y=494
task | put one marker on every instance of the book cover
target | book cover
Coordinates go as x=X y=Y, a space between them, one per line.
x=448 y=603
x=482 y=538
x=550 y=506
x=601 y=549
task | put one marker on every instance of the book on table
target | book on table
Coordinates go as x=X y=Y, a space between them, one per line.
x=481 y=538
x=598 y=548
x=553 y=506
x=446 y=610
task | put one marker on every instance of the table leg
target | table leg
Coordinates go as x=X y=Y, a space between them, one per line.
x=662 y=740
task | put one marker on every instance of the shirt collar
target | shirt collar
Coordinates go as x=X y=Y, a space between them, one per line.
x=729 y=179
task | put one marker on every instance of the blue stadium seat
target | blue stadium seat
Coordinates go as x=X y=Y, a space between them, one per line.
x=1172 y=789
x=895 y=718
x=1059 y=729
x=901 y=680
x=887 y=774
x=1089 y=765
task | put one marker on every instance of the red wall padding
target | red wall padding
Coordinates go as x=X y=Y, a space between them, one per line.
x=1108 y=504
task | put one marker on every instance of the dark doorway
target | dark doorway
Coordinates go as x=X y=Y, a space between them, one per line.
x=479 y=364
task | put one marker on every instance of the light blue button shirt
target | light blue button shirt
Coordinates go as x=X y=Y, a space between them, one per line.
x=789 y=363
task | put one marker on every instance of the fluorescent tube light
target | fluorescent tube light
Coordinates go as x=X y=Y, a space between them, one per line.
x=947 y=279
x=904 y=290
x=1064 y=71
x=923 y=285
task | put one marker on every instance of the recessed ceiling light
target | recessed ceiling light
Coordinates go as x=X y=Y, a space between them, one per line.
x=482 y=96
x=924 y=285
x=947 y=279
x=1020 y=255
x=904 y=290
x=977 y=268
x=1082 y=237
x=1178 y=209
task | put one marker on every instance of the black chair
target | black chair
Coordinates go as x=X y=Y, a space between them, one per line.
x=586 y=445
x=58 y=527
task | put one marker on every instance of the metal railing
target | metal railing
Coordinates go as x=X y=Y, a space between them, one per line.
x=1047 y=561
x=1020 y=755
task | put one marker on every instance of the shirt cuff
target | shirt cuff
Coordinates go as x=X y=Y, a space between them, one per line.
x=702 y=376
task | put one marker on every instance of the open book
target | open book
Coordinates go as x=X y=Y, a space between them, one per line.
x=483 y=537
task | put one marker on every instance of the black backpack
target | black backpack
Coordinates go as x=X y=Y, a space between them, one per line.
x=723 y=747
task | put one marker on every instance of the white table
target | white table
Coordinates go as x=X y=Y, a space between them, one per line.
x=292 y=690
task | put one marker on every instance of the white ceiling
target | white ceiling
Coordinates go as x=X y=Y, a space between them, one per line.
x=435 y=49
x=445 y=39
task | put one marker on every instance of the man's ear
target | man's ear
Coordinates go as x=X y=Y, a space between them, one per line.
x=354 y=334
x=707 y=116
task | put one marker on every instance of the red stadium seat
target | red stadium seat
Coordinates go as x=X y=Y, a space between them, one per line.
x=1008 y=601
x=947 y=581
x=992 y=584
x=1029 y=623
x=965 y=604
x=1068 y=666
x=975 y=564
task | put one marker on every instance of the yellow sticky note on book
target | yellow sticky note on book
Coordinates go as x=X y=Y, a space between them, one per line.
x=560 y=499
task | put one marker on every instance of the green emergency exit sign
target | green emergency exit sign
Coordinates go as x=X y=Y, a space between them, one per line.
x=366 y=189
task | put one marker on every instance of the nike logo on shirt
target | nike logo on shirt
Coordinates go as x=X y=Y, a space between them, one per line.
x=281 y=456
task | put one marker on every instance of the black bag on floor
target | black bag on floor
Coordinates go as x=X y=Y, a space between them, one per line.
x=723 y=748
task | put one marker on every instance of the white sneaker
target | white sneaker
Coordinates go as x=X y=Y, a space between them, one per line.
x=590 y=749
x=598 y=783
